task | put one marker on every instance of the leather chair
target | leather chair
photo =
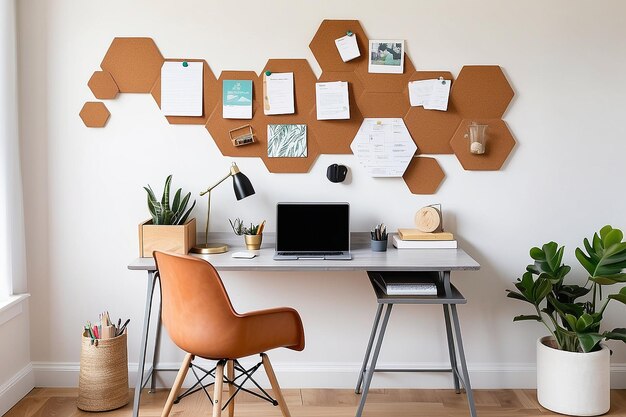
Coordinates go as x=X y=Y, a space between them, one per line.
x=200 y=319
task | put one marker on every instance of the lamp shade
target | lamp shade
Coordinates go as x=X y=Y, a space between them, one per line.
x=242 y=186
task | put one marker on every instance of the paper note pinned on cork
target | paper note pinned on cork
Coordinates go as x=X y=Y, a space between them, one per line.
x=181 y=89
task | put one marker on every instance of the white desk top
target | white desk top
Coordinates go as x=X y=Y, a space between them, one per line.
x=363 y=259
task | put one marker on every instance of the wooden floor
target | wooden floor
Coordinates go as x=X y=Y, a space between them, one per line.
x=57 y=402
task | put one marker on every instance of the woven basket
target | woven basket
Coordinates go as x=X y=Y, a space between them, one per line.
x=103 y=380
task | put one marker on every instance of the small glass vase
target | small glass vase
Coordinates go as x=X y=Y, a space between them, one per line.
x=477 y=135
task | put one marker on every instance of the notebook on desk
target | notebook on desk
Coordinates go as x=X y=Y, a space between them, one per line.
x=312 y=231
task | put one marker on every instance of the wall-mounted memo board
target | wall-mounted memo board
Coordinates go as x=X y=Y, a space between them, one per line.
x=478 y=94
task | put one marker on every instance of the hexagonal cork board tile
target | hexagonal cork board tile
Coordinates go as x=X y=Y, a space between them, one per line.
x=325 y=51
x=303 y=86
x=481 y=91
x=432 y=129
x=379 y=157
x=423 y=175
x=103 y=86
x=385 y=83
x=294 y=165
x=334 y=136
x=376 y=104
x=94 y=114
x=210 y=90
x=498 y=146
x=134 y=64
x=219 y=127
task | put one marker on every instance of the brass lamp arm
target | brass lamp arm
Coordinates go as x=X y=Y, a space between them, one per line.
x=233 y=170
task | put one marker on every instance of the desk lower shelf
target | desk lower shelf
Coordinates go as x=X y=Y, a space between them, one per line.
x=453 y=296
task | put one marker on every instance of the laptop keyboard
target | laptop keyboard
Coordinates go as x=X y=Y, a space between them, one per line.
x=310 y=253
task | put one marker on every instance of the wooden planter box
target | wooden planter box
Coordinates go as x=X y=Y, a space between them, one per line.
x=178 y=238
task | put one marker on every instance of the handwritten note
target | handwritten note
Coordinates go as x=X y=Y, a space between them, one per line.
x=278 y=91
x=181 y=89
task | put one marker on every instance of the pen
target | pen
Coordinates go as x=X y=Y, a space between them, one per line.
x=121 y=330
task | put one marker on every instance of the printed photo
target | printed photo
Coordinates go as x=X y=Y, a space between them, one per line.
x=386 y=57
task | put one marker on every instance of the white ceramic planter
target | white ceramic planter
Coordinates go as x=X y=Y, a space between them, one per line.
x=576 y=384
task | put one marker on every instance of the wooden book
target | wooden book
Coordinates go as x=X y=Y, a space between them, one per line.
x=414 y=234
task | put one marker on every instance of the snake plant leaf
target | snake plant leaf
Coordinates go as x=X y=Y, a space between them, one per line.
x=527 y=317
x=151 y=207
x=588 y=341
x=165 y=199
x=616 y=334
x=183 y=219
x=151 y=195
x=176 y=202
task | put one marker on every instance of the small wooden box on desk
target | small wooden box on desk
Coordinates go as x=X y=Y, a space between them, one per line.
x=171 y=238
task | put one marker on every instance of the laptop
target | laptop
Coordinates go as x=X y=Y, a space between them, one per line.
x=312 y=231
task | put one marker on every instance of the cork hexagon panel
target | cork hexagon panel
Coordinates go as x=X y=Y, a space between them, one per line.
x=134 y=64
x=385 y=83
x=103 y=86
x=94 y=114
x=210 y=93
x=432 y=129
x=304 y=99
x=377 y=104
x=423 y=175
x=325 y=51
x=219 y=127
x=498 y=146
x=335 y=136
x=481 y=91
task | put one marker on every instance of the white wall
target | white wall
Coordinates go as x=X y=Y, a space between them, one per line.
x=83 y=195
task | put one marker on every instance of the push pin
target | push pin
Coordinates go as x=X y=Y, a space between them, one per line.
x=442 y=80
x=185 y=64
x=349 y=33
x=268 y=73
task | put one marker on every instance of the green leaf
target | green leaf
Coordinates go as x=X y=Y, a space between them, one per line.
x=165 y=200
x=613 y=237
x=537 y=254
x=619 y=297
x=183 y=219
x=541 y=289
x=176 y=202
x=527 y=317
x=616 y=334
x=571 y=321
x=605 y=231
x=597 y=244
x=588 y=341
x=517 y=296
x=583 y=323
x=585 y=261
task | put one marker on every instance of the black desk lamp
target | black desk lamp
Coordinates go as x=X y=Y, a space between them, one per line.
x=243 y=188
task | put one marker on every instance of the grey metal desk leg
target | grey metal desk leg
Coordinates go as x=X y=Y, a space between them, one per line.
x=466 y=378
x=157 y=345
x=368 y=351
x=451 y=348
x=144 y=342
x=370 y=371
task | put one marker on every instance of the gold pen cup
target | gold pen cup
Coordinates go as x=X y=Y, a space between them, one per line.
x=253 y=242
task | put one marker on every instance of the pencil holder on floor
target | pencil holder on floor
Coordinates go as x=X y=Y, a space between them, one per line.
x=103 y=380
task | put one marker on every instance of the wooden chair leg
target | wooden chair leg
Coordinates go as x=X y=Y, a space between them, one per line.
x=182 y=373
x=230 y=374
x=217 y=391
x=275 y=387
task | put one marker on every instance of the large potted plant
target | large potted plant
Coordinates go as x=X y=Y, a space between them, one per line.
x=573 y=366
x=168 y=229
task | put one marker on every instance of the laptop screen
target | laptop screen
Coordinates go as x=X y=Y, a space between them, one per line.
x=312 y=227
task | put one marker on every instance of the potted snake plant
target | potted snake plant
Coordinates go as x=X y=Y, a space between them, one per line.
x=168 y=229
x=573 y=365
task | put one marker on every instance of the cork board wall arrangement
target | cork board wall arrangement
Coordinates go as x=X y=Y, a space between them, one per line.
x=480 y=94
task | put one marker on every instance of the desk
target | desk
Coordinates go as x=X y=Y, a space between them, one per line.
x=439 y=260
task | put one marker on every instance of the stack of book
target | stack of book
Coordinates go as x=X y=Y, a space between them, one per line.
x=414 y=239
x=398 y=284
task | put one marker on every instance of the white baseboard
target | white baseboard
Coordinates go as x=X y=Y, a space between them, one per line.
x=16 y=388
x=338 y=375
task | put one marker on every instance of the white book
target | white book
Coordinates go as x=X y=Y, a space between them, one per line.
x=423 y=244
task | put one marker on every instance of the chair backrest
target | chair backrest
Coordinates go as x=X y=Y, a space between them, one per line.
x=196 y=309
